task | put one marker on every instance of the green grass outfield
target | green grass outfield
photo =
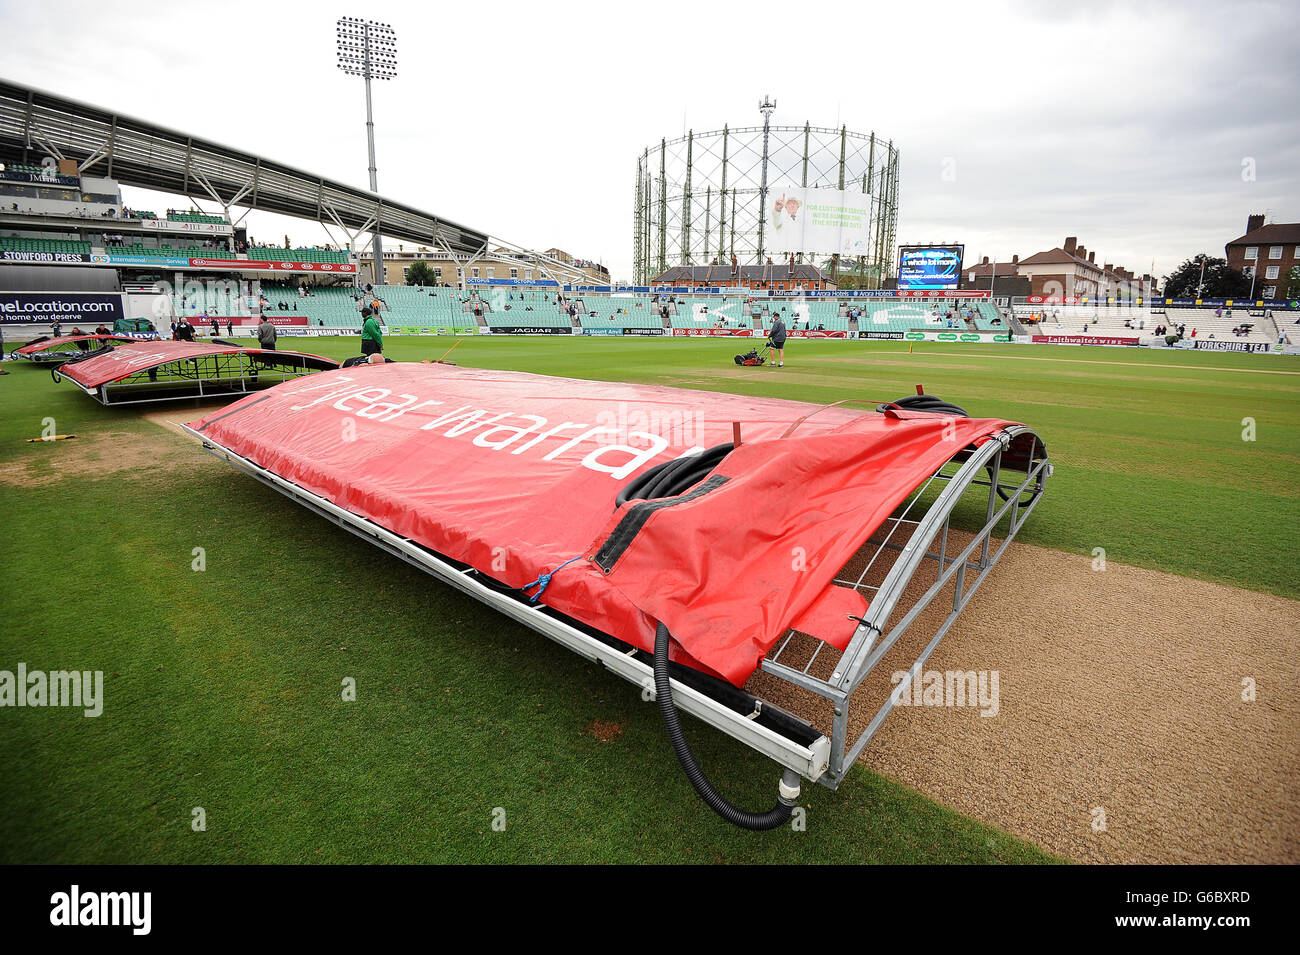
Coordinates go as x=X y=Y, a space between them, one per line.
x=223 y=686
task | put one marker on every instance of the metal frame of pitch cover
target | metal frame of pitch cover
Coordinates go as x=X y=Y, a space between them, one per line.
x=815 y=756
x=888 y=617
x=229 y=375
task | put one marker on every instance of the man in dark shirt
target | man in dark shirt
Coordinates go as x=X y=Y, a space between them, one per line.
x=266 y=334
x=777 y=338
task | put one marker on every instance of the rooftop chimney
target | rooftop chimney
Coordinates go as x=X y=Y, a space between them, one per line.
x=1015 y=259
x=1254 y=222
x=1109 y=267
x=1092 y=258
x=1070 y=243
x=985 y=261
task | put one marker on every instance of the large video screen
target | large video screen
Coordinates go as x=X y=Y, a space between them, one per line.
x=818 y=220
x=929 y=266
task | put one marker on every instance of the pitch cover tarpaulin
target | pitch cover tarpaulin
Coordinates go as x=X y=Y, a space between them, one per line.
x=517 y=474
x=69 y=342
x=126 y=360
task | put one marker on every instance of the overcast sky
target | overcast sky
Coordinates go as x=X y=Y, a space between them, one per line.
x=1126 y=124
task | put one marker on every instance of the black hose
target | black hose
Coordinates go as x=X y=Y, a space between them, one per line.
x=932 y=403
x=757 y=821
x=939 y=406
x=672 y=477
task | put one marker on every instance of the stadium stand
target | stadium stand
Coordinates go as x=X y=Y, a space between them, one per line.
x=27 y=173
x=401 y=306
x=1110 y=322
x=987 y=318
x=890 y=317
x=543 y=319
x=1207 y=324
x=618 y=313
x=265 y=254
x=174 y=216
x=216 y=302
x=164 y=250
x=704 y=312
x=826 y=314
x=19 y=244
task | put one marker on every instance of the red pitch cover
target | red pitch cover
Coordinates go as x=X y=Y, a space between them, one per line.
x=128 y=359
x=56 y=343
x=517 y=474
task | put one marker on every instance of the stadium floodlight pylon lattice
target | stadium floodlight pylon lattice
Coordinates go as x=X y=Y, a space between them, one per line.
x=701 y=195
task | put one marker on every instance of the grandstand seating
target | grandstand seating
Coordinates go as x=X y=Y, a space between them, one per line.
x=408 y=306
x=297 y=255
x=619 y=312
x=1209 y=325
x=988 y=318
x=199 y=251
x=548 y=318
x=217 y=300
x=19 y=244
x=810 y=314
x=1109 y=322
x=508 y=306
x=27 y=172
x=194 y=217
x=887 y=316
x=704 y=312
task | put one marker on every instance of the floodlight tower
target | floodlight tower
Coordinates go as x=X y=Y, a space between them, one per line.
x=767 y=107
x=369 y=49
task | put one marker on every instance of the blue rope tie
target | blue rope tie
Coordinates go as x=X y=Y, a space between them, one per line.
x=544 y=580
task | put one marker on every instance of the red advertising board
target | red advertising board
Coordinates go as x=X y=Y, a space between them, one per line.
x=287 y=320
x=942 y=293
x=252 y=266
x=1082 y=340
x=817 y=333
x=716 y=332
x=1056 y=299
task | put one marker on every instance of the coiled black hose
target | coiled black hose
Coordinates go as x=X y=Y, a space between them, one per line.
x=932 y=403
x=757 y=821
x=673 y=477
x=939 y=406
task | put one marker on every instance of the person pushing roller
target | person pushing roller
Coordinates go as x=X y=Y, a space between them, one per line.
x=776 y=338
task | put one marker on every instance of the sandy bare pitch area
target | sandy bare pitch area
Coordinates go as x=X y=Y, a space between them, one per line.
x=1119 y=692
